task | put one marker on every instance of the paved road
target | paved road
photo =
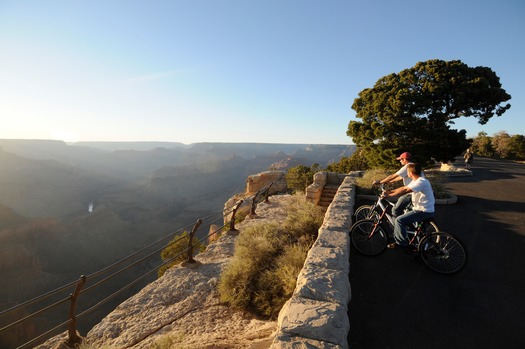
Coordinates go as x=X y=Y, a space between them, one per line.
x=397 y=302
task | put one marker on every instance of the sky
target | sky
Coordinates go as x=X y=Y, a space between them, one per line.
x=263 y=71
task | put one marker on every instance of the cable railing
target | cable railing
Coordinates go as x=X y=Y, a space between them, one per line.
x=79 y=306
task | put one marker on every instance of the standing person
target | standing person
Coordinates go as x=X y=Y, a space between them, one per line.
x=422 y=199
x=469 y=157
x=402 y=174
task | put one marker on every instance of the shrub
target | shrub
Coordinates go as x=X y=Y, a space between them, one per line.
x=355 y=162
x=437 y=179
x=279 y=282
x=300 y=177
x=89 y=346
x=255 y=250
x=167 y=341
x=268 y=258
x=364 y=183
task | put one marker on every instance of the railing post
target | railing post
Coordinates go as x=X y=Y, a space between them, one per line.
x=232 y=221
x=190 y=242
x=254 y=204
x=267 y=193
x=73 y=338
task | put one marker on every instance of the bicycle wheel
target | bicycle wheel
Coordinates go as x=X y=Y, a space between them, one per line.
x=430 y=227
x=443 y=253
x=368 y=238
x=365 y=212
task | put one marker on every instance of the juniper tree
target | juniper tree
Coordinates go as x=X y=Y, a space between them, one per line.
x=414 y=111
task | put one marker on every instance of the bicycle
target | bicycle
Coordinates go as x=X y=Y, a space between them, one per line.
x=440 y=251
x=383 y=205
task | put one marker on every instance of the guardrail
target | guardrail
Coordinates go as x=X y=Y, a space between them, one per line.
x=50 y=301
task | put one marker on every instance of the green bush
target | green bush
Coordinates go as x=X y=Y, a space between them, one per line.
x=268 y=258
x=300 y=177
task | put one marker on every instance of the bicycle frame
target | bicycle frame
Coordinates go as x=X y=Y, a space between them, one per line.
x=414 y=236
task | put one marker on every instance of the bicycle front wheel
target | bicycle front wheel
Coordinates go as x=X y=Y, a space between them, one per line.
x=443 y=253
x=368 y=237
x=365 y=212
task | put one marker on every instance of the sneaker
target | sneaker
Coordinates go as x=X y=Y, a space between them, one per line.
x=394 y=245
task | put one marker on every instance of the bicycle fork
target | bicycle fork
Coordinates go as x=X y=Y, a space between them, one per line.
x=376 y=224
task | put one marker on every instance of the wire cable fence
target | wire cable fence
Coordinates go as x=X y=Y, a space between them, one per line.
x=42 y=314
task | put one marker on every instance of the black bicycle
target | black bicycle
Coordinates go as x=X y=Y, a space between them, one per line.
x=440 y=251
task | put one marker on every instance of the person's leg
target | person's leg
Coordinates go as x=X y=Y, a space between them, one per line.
x=407 y=219
x=400 y=228
x=401 y=204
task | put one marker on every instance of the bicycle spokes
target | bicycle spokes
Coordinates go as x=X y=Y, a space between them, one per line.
x=443 y=253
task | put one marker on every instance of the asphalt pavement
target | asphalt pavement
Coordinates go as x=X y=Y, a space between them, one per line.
x=398 y=302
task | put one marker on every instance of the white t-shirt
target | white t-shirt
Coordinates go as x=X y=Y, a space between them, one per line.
x=422 y=195
x=403 y=173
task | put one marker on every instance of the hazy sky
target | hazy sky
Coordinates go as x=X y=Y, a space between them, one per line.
x=272 y=71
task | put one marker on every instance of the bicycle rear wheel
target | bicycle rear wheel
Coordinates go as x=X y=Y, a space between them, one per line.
x=365 y=212
x=430 y=227
x=443 y=253
x=368 y=238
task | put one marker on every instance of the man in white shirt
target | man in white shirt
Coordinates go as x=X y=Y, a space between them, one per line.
x=422 y=201
x=402 y=174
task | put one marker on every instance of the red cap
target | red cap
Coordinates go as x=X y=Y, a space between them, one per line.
x=405 y=155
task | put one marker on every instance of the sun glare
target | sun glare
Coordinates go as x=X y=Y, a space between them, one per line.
x=66 y=136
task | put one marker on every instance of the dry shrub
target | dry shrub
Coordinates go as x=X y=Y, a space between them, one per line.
x=438 y=179
x=255 y=250
x=279 y=282
x=364 y=183
x=268 y=258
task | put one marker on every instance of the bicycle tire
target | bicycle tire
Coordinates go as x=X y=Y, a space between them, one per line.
x=365 y=212
x=430 y=227
x=443 y=253
x=366 y=239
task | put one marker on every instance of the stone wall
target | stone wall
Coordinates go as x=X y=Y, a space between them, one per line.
x=315 y=190
x=316 y=315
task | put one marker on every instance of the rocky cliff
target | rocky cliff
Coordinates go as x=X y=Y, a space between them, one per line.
x=183 y=306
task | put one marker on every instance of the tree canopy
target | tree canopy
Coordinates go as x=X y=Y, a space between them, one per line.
x=414 y=110
x=501 y=145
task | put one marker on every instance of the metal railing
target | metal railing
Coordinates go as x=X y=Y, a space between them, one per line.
x=36 y=308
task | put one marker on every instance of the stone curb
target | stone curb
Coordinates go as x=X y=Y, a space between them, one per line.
x=316 y=316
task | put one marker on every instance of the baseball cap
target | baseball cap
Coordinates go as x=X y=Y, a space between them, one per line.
x=405 y=155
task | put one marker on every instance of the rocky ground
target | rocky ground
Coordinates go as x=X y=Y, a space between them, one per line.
x=183 y=310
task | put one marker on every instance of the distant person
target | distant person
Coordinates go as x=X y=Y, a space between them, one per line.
x=469 y=157
x=423 y=203
x=405 y=200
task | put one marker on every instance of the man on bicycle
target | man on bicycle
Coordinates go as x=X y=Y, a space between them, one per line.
x=402 y=174
x=423 y=202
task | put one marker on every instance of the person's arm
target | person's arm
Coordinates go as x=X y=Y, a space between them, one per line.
x=392 y=178
x=397 y=192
